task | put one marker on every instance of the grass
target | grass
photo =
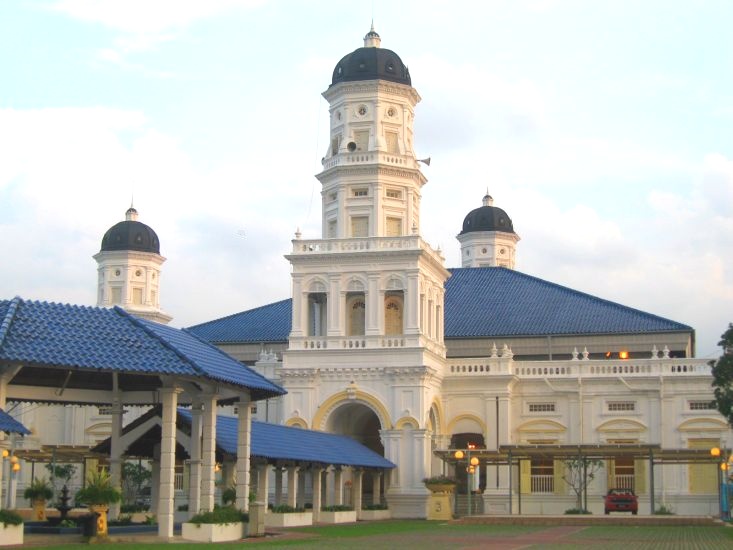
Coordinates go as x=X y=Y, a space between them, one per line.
x=417 y=535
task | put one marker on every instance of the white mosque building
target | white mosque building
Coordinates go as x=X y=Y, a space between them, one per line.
x=382 y=342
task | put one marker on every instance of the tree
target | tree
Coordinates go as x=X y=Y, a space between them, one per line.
x=64 y=472
x=723 y=376
x=579 y=472
x=134 y=478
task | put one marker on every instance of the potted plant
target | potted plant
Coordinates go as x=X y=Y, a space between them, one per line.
x=338 y=513
x=11 y=528
x=39 y=492
x=373 y=512
x=98 y=493
x=288 y=516
x=440 y=484
x=223 y=524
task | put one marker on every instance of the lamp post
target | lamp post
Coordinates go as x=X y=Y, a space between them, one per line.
x=471 y=464
x=725 y=465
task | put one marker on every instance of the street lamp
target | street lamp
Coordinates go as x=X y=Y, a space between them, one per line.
x=725 y=465
x=471 y=464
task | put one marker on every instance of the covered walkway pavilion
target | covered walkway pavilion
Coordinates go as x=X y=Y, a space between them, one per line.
x=514 y=455
x=302 y=455
x=60 y=353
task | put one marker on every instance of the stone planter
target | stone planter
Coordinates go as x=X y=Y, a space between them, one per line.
x=292 y=519
x=212 y=532
x=11 y=535
x=101 y=511
x=440 y=487
x=344 y=516
x=39 y=509
x=440 y=501
x=374 y=515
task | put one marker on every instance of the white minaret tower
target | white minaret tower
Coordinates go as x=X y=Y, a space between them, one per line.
x=488 y=238
x=366 y=355
x=129 y=263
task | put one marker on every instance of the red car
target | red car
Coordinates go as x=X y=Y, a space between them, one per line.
x=620 y=500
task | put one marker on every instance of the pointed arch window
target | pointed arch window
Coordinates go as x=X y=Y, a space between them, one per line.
x=355 y=314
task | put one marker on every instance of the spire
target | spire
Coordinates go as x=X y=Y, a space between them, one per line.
x=372 y=39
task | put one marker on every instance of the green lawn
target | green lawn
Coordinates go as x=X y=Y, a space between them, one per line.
x=433 y=535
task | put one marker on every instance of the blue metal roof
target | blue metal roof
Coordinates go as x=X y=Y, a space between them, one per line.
x=10 y=425
x=270 y=323
x=275 y=442
x=495 y=301
x=68 y=336
x=480 y=302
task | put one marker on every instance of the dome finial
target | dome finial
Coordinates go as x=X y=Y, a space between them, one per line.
x=131 y=214
x=488 y=199
x=372 y=39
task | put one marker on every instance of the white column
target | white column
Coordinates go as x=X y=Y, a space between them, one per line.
x=244 y=438
x=338 y=487
x=115 y=454
x=194 y=479
x=373 y=307
x=358 y=478
x=300 y=500
x=263 y=471
x=335 y=325
x=169 y=399
x=278 y=485
x=208 y=451
x=411 y=318
x=317 y=496
x=377 y=487
x=292 y=485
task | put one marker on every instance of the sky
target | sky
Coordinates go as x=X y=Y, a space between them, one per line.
x=603 y=128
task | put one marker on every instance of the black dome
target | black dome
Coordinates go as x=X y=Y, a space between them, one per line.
x=487 y=218
x=371 y=63
x=131 y=235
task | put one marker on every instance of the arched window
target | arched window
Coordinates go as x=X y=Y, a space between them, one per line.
x=317 y=312
x=393 y=305
x=355 y=314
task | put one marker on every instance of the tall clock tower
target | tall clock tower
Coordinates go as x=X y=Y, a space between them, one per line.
x=366 y=352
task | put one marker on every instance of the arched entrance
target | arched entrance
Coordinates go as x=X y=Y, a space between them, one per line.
x=359 y=422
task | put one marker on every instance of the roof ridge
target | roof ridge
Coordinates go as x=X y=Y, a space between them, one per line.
x=13 y=306
x=222 y=352
x=238 y=314
x=150 y=332
x=568 y=290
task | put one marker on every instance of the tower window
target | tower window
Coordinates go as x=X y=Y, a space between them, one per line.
x=392 y=146
x=394 y=194
x=137 y=296
x=360 y=226
x=116 y=295
x=394 y=227
x=361 y=192
x=362 y=140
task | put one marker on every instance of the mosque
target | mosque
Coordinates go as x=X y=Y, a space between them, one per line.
x=380 y=341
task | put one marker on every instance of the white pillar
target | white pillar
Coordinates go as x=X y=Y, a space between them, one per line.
x=194 y=464
x=244 y=437
x=377 y=487
x=263 y=471
x=338 y=488
x=300 y=500
x=169 y=399
x=208 y=451
x=278 y=485
x=115 y=454
x=358 y=478
x=292 y=485
x=316 y=473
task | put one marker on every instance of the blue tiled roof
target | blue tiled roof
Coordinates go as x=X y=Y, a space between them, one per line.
x=10 y=425
x=69 y=336
x=270 y=323
x=275 y=442
x=495 y=301
x=479 y=303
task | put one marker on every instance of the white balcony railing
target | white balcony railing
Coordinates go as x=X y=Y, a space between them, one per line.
x=623 y=481
x=542 y=483
x=578 y=368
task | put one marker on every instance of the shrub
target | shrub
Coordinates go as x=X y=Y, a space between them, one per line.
x=150 y=520
x=337 y=508
x=8 y=517
x=440 y=480
x=375 y=507
x=286 y=509
x=229 y=495
x=577 y=511
x=123 y=519
x=39 y=489
x=663 y=511
x=224 y=514
x=98 y=489
x=133 y=508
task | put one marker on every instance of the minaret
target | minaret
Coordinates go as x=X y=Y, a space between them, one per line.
x=368 y=295
x=488 y=238
x=129 y=265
